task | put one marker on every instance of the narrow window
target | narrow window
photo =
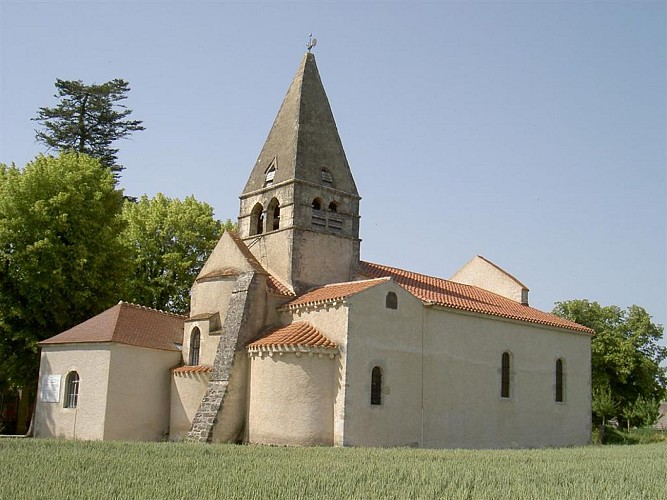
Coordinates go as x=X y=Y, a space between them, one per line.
x=391 y=302
x=72 y=390
x=559 y=380
x=273 y=213
x=317 y=204
x=195 y=340
x=376 y=386
x=333 y=207
x=505 y=382
x=257 y=219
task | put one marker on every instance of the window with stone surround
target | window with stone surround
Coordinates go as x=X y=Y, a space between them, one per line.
x=195 y=343
x=273 y=213
x=257 y=219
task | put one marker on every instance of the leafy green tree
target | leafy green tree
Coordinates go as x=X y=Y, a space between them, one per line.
x=170 y=240
x=88 y=119
x=625 y=353
x=61 y=260
x=646 y=411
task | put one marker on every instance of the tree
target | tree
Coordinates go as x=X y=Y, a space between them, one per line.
x=169 y=240
x=61 y=260
x=625 y=354
x=88 y=119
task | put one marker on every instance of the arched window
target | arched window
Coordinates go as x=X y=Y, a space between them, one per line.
x=257 y=219
x=333 y=207
x=391 y=302
x=559 y=380
x=317 y=204
x=376 y=386
x=273 y=214
x=195 y=340
x=71 y=390
x=505 y=376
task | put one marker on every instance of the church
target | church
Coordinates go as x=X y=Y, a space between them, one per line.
x=292 y=339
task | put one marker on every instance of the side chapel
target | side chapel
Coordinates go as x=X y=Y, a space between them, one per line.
x=293 y=340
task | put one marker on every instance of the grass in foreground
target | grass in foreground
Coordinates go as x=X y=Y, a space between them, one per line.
x=33 y=469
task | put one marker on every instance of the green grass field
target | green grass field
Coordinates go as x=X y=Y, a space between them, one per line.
x=35 y=468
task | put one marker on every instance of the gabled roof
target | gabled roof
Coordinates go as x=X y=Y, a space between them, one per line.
x=129 y=324
x=332 y=293
x=219 y=268
x=299 y=334
x=470 y=298
x=304 y=137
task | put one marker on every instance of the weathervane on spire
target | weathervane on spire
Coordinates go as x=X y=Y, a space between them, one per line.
x=311 y=42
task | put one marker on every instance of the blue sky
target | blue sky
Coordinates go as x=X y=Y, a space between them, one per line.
x=532 y=133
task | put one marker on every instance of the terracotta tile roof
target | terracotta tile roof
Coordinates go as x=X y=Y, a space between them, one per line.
x=193 y=369
x=332 y=292
x=128 y=324
x=465 y=297
x=277 y=287
x=300 y=334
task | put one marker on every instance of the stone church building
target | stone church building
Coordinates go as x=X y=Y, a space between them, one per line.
x=293 y=340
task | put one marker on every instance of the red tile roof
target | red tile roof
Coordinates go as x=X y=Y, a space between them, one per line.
x=128 y=324
x=333 y=292
x=277 y=287
x=299 y=334
x=193 y=369
x=465 y=297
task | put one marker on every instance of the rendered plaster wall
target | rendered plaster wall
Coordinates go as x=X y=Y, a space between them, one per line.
x=390 y=339
x=187 y=391
x=332 y=321
x=211 y=295
x=291 y=399
x=230 y=423
x=87 y=420
x=274 y=250
x=138 y=398
x=481 y=273
x=462 y=382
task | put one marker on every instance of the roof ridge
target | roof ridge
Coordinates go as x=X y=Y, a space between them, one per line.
x=461 y=296
x=147 y=308
x=466 y=285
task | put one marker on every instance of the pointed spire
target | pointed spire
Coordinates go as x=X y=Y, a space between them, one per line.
x=304 y=138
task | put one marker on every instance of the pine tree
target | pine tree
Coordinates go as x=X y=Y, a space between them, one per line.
x=88 y=119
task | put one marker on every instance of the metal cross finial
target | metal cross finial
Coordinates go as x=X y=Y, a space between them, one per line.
x=311 y=42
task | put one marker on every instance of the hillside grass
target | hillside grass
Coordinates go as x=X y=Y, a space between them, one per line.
x=40 y=468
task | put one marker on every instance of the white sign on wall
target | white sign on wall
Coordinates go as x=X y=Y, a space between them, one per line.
x=50 y=392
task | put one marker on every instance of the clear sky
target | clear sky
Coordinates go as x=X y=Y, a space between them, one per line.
x=532 y=133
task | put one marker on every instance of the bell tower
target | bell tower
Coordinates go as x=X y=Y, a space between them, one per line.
x=299 y=210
